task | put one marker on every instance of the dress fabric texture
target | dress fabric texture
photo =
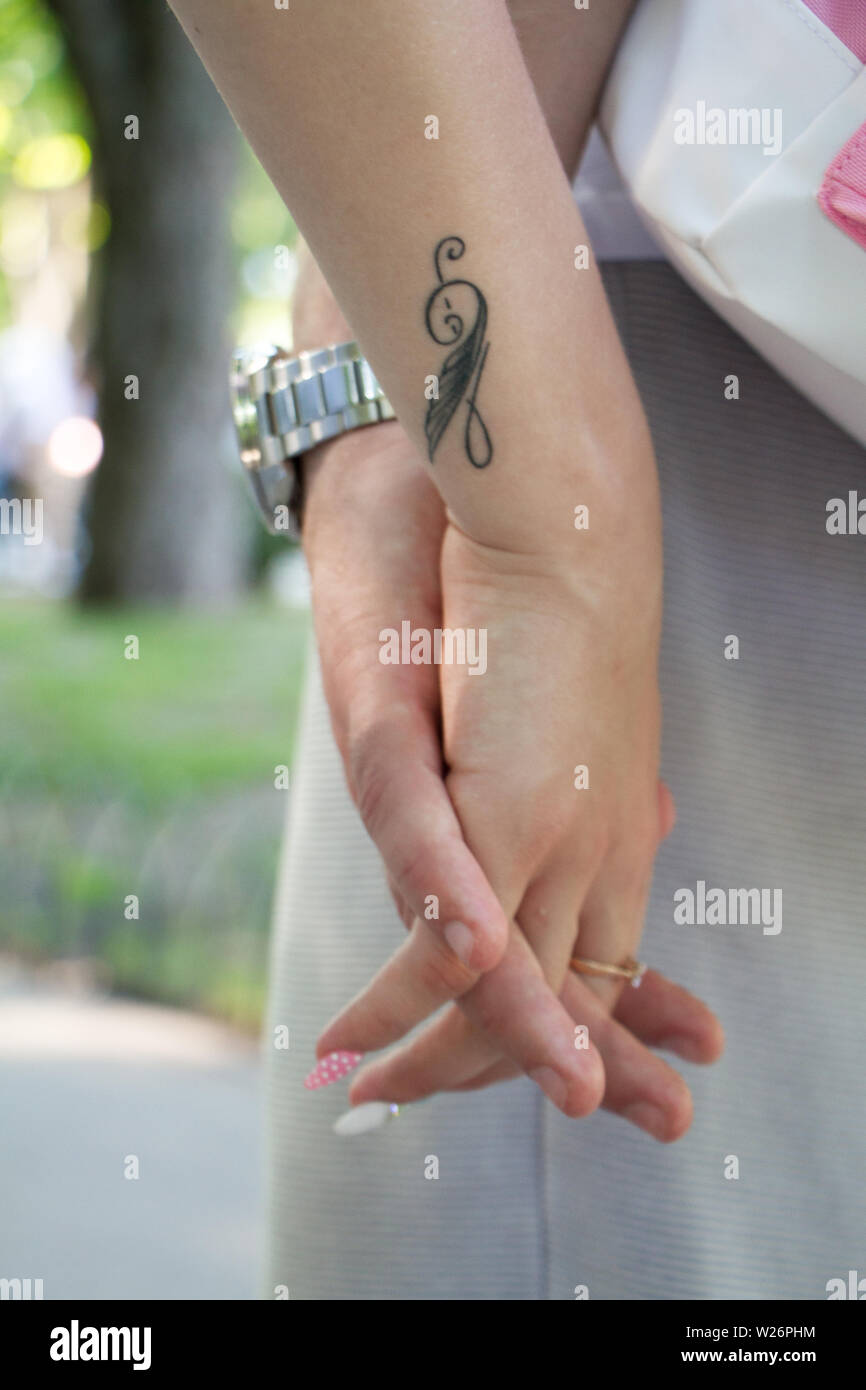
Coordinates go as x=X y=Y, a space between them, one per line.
x=766 y=757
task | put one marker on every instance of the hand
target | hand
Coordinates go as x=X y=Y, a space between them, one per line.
x=553 y=854
x=373 y=530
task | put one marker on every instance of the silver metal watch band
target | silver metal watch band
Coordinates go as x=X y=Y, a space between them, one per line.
x=285 y=405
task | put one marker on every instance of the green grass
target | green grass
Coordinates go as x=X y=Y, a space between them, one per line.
x=205 y=706
x=151 y=777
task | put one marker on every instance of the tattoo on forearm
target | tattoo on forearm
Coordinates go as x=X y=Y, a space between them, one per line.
x=456 y=315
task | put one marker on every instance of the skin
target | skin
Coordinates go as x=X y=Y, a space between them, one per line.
x=334 y=99
x=386 y=721
x=465 y=783
x=531 y=841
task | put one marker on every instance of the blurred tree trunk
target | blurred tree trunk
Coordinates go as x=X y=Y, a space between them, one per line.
x=167 y=519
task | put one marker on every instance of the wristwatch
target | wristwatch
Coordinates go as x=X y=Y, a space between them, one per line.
x=283 y=405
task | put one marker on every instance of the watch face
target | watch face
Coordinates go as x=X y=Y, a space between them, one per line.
x=261 y=450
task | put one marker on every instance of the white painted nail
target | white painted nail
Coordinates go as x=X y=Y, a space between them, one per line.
x=362 y=1118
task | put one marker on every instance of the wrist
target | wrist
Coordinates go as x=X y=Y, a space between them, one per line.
x=370 y=469
x=586 y=510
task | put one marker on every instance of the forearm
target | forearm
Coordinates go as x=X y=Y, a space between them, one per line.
x=334 y=99
x=568 y=63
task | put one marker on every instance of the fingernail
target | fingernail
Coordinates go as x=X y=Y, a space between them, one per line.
x=683 y=1047
x=331 y=1068
x=554 y=1086
x=461 y=940
x=647 y=1117
x=362 y=1118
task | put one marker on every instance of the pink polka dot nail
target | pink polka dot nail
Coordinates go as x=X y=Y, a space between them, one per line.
x=332 y=1068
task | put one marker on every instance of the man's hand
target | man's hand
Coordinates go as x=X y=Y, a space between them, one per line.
x=372 y=534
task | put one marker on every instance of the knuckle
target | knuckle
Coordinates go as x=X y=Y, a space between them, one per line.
x=374 y=786
x=629 y=855
x=647 y=834
x=385 y=1017
x=491 y=1015
x=584 y=1099
x=408 y=861
x=368 y=776
x=384 y=1021
x=590 y=843
x=443 y=975
x=404 y=909
x=633 y=872
x=646 y=844
x=370 y=794
x=596 y=840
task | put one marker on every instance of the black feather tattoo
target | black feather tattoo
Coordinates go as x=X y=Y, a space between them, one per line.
x=456 y=316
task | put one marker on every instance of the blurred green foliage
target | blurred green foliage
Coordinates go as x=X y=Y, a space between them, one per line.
x=151 y=777
x=46 y=136
x=38 y=90
x=154 y=777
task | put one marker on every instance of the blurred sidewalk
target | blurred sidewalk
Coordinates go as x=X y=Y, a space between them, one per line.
x=89 y=1083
